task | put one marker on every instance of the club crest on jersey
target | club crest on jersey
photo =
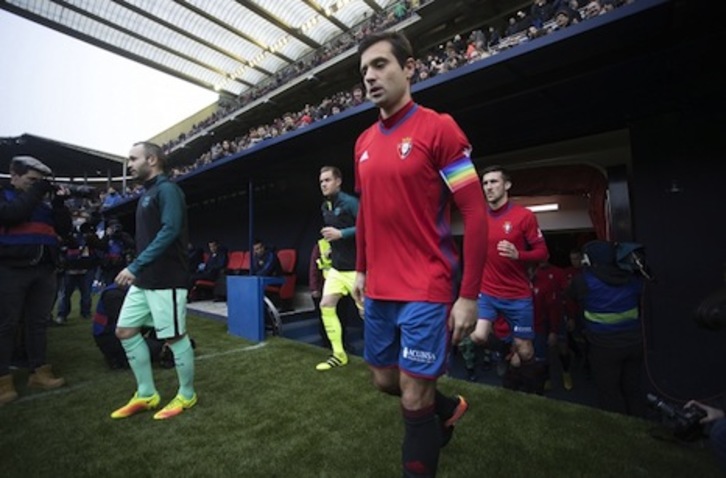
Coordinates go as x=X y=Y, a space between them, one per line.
x=405 y=147
x=507 y=226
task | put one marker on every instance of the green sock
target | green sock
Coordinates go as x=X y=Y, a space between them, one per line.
x=333 y=329
x=137 y=353
x=184 y=363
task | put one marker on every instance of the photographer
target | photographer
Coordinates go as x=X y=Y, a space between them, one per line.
x=118 y=247
x=29 y=253
x=716 y=422
x=80 y=255
x=711 y=315
x=609 y=296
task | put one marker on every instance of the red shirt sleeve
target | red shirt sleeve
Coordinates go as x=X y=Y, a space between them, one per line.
x=452 y=145
x=538 y=248
x=360 y=230
x=470 y=202
x=360 y=241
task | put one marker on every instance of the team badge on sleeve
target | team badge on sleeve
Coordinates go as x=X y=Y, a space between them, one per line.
x=459 y=174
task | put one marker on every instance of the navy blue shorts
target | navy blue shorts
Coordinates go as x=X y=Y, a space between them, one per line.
x=519 y=314
x=412 y=336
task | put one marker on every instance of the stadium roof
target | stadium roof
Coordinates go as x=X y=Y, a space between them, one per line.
x=66 y=160
x=225 y=45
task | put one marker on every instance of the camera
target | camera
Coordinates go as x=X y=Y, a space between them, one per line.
x=683 y=422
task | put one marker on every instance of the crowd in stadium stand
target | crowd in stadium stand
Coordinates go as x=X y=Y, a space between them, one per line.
x=543 y=18
x=345 y=41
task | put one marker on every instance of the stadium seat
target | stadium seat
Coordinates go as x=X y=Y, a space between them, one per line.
x=198 y=289
x=285 y=292
x=201 y=286
x=238 y=263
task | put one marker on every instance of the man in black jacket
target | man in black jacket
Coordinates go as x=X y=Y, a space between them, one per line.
x=29 y=250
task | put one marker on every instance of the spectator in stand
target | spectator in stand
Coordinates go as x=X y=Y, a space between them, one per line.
x=306 y=117
x=571 y=6
x=563 y=19
x=228 y=148
x=358 y=97
x=216 y=151
x=493 y=37
x=400 y=11
x=524 y=21
x=541 y=12
x=112 y=198
x=288 y=123
x=592 y=9
x=475 y=50
x=512 y=27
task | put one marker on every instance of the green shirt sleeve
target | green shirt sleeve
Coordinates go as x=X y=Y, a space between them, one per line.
x=352 y=204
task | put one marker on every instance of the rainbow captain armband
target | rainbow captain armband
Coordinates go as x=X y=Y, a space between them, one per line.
x=459 y=174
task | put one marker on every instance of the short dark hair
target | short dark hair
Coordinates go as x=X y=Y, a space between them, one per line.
x=153 y=149
x=400 y=45
x=333 y=169
x=496 y=168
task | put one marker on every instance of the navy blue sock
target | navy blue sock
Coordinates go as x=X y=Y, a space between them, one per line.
x=444 y=406
x=421 y=443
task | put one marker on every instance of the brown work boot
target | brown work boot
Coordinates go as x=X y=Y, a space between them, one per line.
x=43 y=378
x=7 y=389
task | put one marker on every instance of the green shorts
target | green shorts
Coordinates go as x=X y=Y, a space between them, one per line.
x=163 y=309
